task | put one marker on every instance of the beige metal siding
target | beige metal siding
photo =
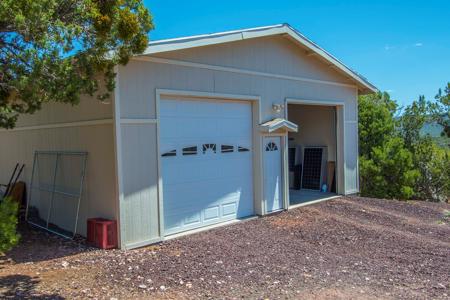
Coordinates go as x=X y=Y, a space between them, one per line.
x=19 y=145
x=139 y=208
x=138 y=102
x=89 y=108
x=99 y=193
x=276 y=54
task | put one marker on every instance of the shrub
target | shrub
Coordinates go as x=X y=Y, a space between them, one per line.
x=8 y=224
x=433 y=164
x=396 y=159
x=389 y=173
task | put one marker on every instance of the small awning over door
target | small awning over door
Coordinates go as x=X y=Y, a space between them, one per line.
x=278 y=125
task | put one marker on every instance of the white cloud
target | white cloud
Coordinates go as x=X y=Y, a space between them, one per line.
x=388 y=47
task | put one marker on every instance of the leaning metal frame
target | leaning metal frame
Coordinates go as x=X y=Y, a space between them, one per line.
x=53 y=190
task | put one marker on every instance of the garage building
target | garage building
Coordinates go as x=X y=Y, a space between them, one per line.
x=201 y=131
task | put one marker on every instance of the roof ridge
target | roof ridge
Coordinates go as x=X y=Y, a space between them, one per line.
x=216 y=34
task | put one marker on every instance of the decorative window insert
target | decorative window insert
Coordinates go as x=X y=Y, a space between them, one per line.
x=227 y=148
x=190 y=150
x=170 y=153
x=271 y=146
x=209 y=147
x=243 y=149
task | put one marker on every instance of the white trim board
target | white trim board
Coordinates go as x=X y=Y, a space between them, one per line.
x=340 y=152
x=238 y=35
x=118 y=161
x=314 y=102
x=61 y=125
x=203 y=95
x=138 y=121
x=236 y=70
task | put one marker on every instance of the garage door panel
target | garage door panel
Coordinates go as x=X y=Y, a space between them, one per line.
x=206 y=170
x=197 y=109
x=195 y=196
x=195 y=218
x=212 y=213
x=214 y=188
x=229 y=209
x=234 y=109
x=234 y=128
x=215 y=183
x=168 y=109
x=195 y=128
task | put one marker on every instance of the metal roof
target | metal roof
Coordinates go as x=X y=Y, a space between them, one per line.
x=166 y=45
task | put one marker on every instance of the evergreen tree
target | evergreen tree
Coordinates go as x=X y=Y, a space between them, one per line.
x=55 y=50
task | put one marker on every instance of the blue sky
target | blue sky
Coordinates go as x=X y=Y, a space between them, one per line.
x=402 y=47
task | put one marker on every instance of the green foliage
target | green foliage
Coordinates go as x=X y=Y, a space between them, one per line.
x=396 y=159
x=56 y=50
x=8 y=224
x=376 y=121
x=431 y=161
x=413 y=120
x=440 y=110
x=389 y=172
x=386 y=168
x=433 y=164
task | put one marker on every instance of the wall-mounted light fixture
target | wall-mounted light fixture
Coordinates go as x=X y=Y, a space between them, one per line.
x=277 y=107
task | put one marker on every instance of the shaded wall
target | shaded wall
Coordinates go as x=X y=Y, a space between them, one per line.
x=42 y=131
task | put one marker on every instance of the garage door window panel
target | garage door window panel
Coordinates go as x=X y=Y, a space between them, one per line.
x=191 y=150
x=170 y=153
x=227 y=148
x=209 y=148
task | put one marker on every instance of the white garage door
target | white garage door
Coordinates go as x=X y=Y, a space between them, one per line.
x=206 y=149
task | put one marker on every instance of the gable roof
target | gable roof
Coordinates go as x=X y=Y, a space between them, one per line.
x=277 y=124
x=281 y=29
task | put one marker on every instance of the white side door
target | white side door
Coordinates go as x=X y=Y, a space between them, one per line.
x=273 y=183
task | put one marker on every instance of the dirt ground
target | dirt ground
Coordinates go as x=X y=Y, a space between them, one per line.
x=347 y=248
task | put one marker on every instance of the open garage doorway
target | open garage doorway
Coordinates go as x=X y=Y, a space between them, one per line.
x=314 y=152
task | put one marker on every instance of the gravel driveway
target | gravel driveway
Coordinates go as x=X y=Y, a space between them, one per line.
x=345 y=248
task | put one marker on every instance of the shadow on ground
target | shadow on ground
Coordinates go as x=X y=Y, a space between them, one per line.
x=22 y=287
x=38 y=245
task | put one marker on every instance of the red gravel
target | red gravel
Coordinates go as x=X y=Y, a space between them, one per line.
x=348 y=248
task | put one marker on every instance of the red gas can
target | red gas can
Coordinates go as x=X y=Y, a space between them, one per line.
x=102 y=233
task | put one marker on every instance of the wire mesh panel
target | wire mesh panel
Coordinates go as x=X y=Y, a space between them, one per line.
x=312 y=168
x=55 y=191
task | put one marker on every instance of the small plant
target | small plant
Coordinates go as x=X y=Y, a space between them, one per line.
x=445 y=218
x=8 y=224
x=446 y=215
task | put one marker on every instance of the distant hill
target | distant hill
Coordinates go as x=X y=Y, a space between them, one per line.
x=434 y=130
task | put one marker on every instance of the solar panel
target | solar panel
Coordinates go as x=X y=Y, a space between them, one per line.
x=312 y=167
